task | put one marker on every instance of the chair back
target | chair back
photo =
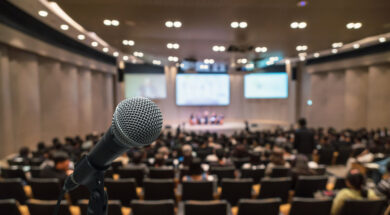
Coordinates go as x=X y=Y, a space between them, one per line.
x=122 y=189
x=9 y=207
x=310 y=206
x=12 y=189
x=45 y=188
x=263 y=206
x=159 y=189
x=236 y=189
x=197 y=190
x=161 y=207
x=206 y=208
x=275 y=188
x=307 y=185
x=366 y=207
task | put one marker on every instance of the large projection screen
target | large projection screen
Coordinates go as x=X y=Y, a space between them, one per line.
x=266 y=85
x=202 y=89
x=148 y=85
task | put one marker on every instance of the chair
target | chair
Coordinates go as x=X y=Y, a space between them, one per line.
x=159 y=189
x=275 y=188
x=255 y=173
x=161 y=207
x=223 y=172
x=109 y=173
x=280 y=172
x=12 y=189
x=45 y=188
x=310 y=206
x=339 y=183
x=161 y=173
x=307 y=185
x=13 y=172
x=326 y=156
x=259 y=206
x=116 y=165
x=183 y=172
x=36 y=162
x=238 y=162
x=197 y=190
x=79 y=193
x=220 y=207
x=133 y=172
x=366 y=207
x=35 y=172
x=343 y=155
x=42 y=207
x=122 y=189
x=236 y=189
x=114 y=207
x=9 y=207
x=320 y=170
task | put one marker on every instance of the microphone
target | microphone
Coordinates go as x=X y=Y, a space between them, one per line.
x=136 y=122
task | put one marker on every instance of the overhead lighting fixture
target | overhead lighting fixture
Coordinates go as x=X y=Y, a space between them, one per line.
x=107 y=22
x=114 y=22
x=64 y=27
x=354 y=25
x=242 y=60
x=382 y=39
x=128 y=42
x=261 y=49
x=218 y=48
x=156 y=62
x=234 y=24
x=302 y=3
x=301 y=48
x=302 y=58
x=173 y=24
x=337 y=45
x=243 y=24
x=169 y=24
x=116 y=54
x=81 y=37
x=177 y=24
x=356 y=46
x=300 y=25
x=138 y=54
x=208 y=61
x=173 y=58
x=316 y=55
x=173 y=46
x=334 y=51
x=43 y=13
x=125 y=57
x=105 y=49
x=94 y=44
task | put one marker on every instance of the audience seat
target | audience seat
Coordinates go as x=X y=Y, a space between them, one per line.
x=366 y=207
x=259 y=206
x=222 y=172
x=109 y=173
x=236 y=189
x=326 y=156
x=35 y=172
x=343 y=155
x=122 y=189
x=115 y=166
x=255 y=173
x=161 y=173
x=161 y=207
x=36 y=162
x=275 y=188
x=114 y=207
x=217 y=207
x=280 y=172
x=13 y=172
x=45 y=188
x=310 y=206
x=238 y=162
x=307 y=185
x=339 y=183
x=42 y=207
x=133 y=172
x=9 y=207
x=197 y=190
x=12 y=189
x=320 y=170
x=159 y=189
x=79 y=193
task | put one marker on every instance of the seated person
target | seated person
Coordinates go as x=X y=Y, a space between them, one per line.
x=159 y=161
x=136 y=160
x=355 y=190
x=276 y=160
x=60 y=169
x=195 y=172
x=383 y=187
x=221 y=160
x=301 y=168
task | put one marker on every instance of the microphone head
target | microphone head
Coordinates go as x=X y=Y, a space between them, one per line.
x=137 y=121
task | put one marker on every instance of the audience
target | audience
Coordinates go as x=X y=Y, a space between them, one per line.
x=195 y=172
x=301 y=168
x=383 y=187
x=276 y=160
x=60 y=169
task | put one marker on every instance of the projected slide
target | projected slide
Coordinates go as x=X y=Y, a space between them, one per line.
x=152 y=86
x=202 y=89
x=266 y=86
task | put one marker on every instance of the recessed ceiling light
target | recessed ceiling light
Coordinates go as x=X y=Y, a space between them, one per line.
x=156 y=62
x=116 y=54
x=302 y=58
x=294 y=25
x=337 y=45
x=43 y=13
x=302 y=25
x=131 y=42
x=316 y=55
x=354 y=25
x=125 y=57
x=382 y=39
x=138 y=54
x=173 y=58
x=81 y=36
x=358 y=25
x=301 y=48
x=125 y=42
x=234 y=24
x=105 y=49
x=356 y=46
x=217 y=48
x=115 y=22
x=107 y=22
x=177 y=24
x=208 y=61
x=94 y=44
x=64 y=27
x=176 y=46
x=243 y=24
x=334 y=51
x=303 y=54
x=169 y=24
x=261 y=49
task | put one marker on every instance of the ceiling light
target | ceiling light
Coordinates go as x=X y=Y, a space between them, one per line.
x=302 y=25
x=219 y=48
x=107 y=22
x=334 y=51
x=316 y=55
x=81 y=36
x=222 y=48
x=337 y=45
x=64 y=27
x=301 y=48
x=115 y=22
x=176 y=46
x=94 y=44
x=294 y=25
x=131 y=42
x=125 y=57
x=234 y=24
x=243 y=24
x=261 y=49
x=125 y=42
x=353 y=25
x=138 y=54
x=177 y=24
x=350 y=25
x=105 y=49
x=169 y=24
x=303 y=54
x=302 y=58
x=116 y=54
x=173 y=58
x=358 y=25
x=169 y=45
x=356 y=46
x=302 y=3
x=43 y=13
x=208 y=61
x=382 y=39
x=156 y=62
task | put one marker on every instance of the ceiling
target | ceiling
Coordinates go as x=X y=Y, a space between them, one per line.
x=207 y=23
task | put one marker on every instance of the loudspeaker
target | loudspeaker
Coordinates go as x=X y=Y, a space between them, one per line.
x=294 y=74
x=120 y=75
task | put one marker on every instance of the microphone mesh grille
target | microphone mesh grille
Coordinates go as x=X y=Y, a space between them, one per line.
x=137 y=121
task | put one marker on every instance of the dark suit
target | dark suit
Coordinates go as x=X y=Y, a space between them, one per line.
x=304 y=141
